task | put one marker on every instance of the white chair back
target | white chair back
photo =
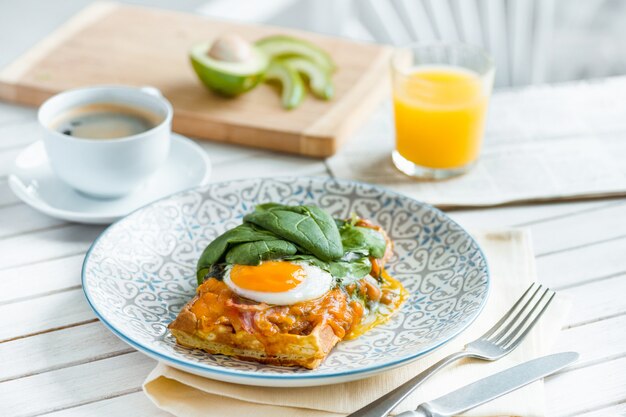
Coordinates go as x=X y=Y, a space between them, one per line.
x=516 y=33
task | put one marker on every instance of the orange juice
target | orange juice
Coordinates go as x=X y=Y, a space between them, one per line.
x=439 y=116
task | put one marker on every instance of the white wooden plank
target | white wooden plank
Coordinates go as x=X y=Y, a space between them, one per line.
x=49 y=244
x=580 y=229
x=618 y=410
x=523 y=216
x=586 y=389
x=117 y=406
x=43 y=314
x=596 y=342
x=268 y=165
x=21 y=218
x=12 y=113
x=79 y=384
x=6 y=195
x=220 y=153
x=245 y=11
x=596 y=300
x=40 y=278
x=19 y=134
x=58 y=349
x=582 y=264
x=6 y=160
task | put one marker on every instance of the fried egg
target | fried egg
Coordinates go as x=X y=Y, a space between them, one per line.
x=278 y=282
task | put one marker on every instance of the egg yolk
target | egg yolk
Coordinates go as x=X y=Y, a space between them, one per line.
x=270 y=276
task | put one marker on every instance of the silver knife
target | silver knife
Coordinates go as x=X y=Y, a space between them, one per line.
x=492 y=387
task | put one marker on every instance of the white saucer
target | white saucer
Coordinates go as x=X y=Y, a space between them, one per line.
x=33 y=181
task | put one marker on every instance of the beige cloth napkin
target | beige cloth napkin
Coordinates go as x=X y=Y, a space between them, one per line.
x=511 y=262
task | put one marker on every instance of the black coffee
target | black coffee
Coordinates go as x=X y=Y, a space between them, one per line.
x=105 y=121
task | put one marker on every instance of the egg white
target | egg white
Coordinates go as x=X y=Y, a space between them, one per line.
x=316 y=283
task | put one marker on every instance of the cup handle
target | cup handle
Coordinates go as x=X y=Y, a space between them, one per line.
x=153 y=91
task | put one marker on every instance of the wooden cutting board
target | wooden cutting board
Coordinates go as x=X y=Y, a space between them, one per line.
x=108 y=43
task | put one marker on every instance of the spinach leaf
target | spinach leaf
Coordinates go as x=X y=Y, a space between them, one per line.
x=306 y=233
x=216 y=250
x=252 y=253
x=240 y=234
x=309 y=227
x=363 y=240
x=350 y=271
x=214 y=271
x=341 y=270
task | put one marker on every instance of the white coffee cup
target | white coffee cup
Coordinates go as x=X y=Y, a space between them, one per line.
x=112 y=167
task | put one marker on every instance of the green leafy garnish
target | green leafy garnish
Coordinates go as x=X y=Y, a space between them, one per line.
x=296 y=233
x=309 y=227
x=216 y=251
x=252 y=253
x=363 y=240
x=344 y=271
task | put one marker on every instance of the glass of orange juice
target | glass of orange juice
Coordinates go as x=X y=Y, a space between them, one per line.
x=440 y=96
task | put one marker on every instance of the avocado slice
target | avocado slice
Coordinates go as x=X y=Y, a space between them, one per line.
x=293 y=90
x=320 y=81
x=282 y=46
x=228 y=78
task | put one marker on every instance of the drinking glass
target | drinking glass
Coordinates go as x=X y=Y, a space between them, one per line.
x=440 y=97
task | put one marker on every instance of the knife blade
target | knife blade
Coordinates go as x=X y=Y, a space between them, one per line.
x=492 y=387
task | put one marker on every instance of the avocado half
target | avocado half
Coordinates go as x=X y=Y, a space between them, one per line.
x=228 y=78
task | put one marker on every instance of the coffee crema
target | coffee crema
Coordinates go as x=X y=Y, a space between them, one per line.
x=105 y=121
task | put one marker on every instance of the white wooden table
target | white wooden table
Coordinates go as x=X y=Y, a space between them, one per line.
x=57 y=359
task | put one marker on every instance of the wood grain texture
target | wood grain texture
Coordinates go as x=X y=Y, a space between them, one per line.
x=617 y=410
x=105 y=45
x=52 y=276
x=596 y=342
x=116 y=406
x=21 y=218
x=46 y=245
x=597 y=300
x=18 y=133
x=57 y=358
x=6 y=161
x=80 y=384
x=524 y=216
x=7 y=198
x=580 y=229
x=58 y=349
x=43 y=314
x=586 y=389
x=10 y=113
x=582 y=264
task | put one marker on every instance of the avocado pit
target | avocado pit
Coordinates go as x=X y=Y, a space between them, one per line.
x=230 y=48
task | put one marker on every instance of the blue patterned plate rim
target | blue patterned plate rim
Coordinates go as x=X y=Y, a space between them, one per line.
x=204 y=368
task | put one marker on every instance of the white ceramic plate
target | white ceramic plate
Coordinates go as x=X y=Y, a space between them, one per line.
x=141 y=271
x=34 y=182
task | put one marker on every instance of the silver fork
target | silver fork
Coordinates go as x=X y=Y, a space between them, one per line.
x=497 y=342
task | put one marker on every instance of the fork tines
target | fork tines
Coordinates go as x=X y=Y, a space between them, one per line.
x=520 y=319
